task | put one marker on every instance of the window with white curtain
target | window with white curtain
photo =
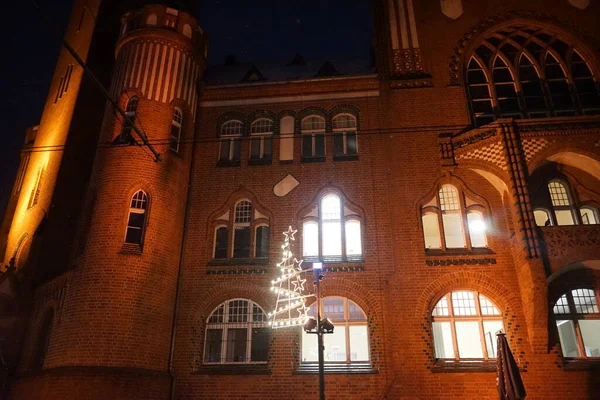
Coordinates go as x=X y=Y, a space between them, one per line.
x=332 y=231
x=313 y=137
x=230 y=144
x=261 y=140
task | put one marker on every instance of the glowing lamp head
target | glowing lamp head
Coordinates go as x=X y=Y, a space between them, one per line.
x=477 y=225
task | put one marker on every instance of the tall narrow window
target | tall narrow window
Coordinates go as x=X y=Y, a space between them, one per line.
x=43 y=342
x=231 y=135
x=506 y=93
x=558 y=85
x=531 y=86
x=585 y=85
x=479 y=92
x=349 y=342
x=261 y=249
x=313 y=137
x=221 y=243
x=36 y=190
x=448 y=212
x=176 y=124
x=261 y=140
x=465 y=325
x=241 y=229
x=237 y=332
x=578 y=322
x=561 y=203
x=332 y=231
x=126 y=129
x=136 y=223
x=344 y=135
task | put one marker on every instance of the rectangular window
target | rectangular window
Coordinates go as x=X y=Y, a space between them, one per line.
x=236 y=344
x=225 y=149
x=338 y=145
x=319 y=145
x=221 y=239
x=564 y=217
x=490 y=329
x=175 y=133
x=453 y=230
x=255 y=148
x=262 y=242
x=230 y=150
x=590 y=333
x=268 y=147
x=351 y=147
x=442 y=339
x=359 y=343
x=212 y=350
x=241 y=242
x=135 y=226
x=307 y=146
x=332 y=238
x=468 y=339
x=431 y=231
x=335 y=345
x=568 y=339
x=260 y=344
x=310 y=239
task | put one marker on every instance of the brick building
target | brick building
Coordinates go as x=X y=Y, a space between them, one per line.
x=451 y=186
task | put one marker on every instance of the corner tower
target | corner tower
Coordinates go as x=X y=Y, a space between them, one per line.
x=116 y=322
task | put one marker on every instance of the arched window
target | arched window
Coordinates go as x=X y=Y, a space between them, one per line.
x=578 y=322
x=261 y=140
x=187 y=31
x=43 y=342
x=231 y=134
x=449 y=223
x=313 y=138
x=349 y=342
x=344 y=136
x=236 y=332
x=136 y=223
x=589 y=215
x=126 y=128
x=250 y=230
x=339 y=230
x=533 y=74
x=465 y=325
x=561 y=203
x=176 y=124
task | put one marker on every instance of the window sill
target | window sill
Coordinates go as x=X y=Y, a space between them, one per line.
x=581 y=364
x=335 y=260
x=313 y=159
x=311 y=369
x=346 y=157
x=131 y=249
x=464 y=366
x=228 y=163
x=239 y=261
x=233 y=369
x=262 y=161
x=459 y=252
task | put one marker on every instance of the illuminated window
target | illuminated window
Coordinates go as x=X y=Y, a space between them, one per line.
x=231 y=135
x=261 y=140
x=465 y=325
x=236 y=332
x=578 y=323
x=313 y=137
x=349 y=342
x=553 y=77
x=331 y=231
x=444 y=225
x=242 y=234
x=589 y=215
x=136 y=223
x=344 y=135
x=542 y=217
x=176 y=124
x=561 y=203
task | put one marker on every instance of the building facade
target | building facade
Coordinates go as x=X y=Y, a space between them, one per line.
x=450 y=186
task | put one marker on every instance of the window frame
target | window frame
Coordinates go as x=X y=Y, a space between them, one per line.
x=346 y=323
x=344 y=218
x=176 y=123
x=344 y=132
x=313 y=133
x=452 y=319
x=576 y=317
x=225 y=326
x=234 y=141
x=135 y=210
x=260 y=136
x=569 y=207
x=434 y=206
x=131 y=111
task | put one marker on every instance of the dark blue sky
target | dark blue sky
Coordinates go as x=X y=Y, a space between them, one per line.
x=253 y=31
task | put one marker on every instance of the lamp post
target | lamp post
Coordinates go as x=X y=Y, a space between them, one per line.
x=322 y=326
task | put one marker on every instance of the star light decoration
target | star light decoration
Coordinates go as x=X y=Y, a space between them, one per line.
x=290 y=308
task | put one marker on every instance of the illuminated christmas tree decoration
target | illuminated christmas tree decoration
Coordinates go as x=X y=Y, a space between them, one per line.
x=290 y=308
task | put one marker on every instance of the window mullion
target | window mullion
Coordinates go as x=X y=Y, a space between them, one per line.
x=579 y=337
x=441 y=229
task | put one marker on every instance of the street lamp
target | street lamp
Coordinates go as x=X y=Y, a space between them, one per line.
x=319 y=327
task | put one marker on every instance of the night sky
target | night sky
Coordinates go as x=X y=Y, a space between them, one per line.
x=253 y=31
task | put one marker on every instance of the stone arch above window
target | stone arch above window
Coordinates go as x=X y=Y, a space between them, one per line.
x=528 y=71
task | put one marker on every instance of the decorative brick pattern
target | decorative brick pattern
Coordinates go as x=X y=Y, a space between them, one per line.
x=493 y=154
x=533 y=146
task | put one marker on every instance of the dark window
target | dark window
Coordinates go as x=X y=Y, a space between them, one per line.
x=241 y=240
x=126 y=129
x=43 y=342
x=262 y=242
x=221 y=241
x=176 y=130
x=137 y=218
x=260 y=344
x=212 y=351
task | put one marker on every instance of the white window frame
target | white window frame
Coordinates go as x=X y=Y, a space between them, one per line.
x=261 y=134
x=137 y=210
x=345 y=131
x=225 y=326
x=313 y=133
x=346 y=323
x=237 y=224
x=256 y=235
x=562 y=207
x=230 y=137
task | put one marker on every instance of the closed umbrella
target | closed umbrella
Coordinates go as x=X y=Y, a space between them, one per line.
x=510 y=385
